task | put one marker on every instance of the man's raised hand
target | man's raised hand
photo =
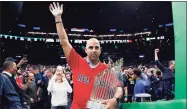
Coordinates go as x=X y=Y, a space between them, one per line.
x=156 y=50
x=56 y=9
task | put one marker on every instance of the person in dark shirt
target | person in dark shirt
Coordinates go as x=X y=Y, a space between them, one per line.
x=46 y=96
x=129 y=84
x=9 y=98
x=30 y=91
x=9 y=70
x=157 y=87
x=168 y=72
x=157 y=77
x=38 y=81
x=125 y=91
x=140 y=83
x=120 y=76
x=38 y=77
x=168 y=76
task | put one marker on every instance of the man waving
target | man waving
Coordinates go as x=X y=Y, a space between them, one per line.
x=84 y=70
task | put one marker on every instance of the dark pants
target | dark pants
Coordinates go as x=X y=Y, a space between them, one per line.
x=167 y=89
x=47 y=105
x=40 y=104
x=33 y=105
x=58 y=107
x=158 y=93
x=129 y=99
x=69 y=104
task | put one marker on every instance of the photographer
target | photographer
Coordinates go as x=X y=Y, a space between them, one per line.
x=30 y=91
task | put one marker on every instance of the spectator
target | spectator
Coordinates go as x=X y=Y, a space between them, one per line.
x=9 y=69
x=19 y=78
x=156 y=84
x=167 y=72
x=9 y=98
x=125 y=82
x=120 y=76
x=140 y=83
x=38 y=77
x=46 y=96
x=59 y=88
x=30 y=91
x=168 y=76
x=129 y=84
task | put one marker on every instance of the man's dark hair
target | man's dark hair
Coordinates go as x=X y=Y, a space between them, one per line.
x=7 y=64
x=158 y=72
x=130 y=66
x=50 y=70
x=137 y=72
x=10 y=59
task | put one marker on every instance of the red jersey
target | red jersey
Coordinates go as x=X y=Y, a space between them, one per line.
x=83 y=79
x=19 y=81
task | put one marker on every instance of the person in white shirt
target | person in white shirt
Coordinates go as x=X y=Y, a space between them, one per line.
x=59 y=88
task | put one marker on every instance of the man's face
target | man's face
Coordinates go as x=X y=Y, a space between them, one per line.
x=37 y=71
x=93 y=49
x=158 y=76
x=172 y=66
x=48 y=73
x=13 y=68
x=68 y=76
x=31 y=77
x=130 y=71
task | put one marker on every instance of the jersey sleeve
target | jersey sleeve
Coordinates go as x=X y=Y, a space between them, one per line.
x=75 y=61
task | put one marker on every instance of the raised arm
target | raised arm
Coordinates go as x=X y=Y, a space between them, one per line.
x=159 y=65
x=156 y=54
x=73 y=58
x=57 y=11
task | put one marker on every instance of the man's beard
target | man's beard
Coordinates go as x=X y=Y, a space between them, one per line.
x=31 y=80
